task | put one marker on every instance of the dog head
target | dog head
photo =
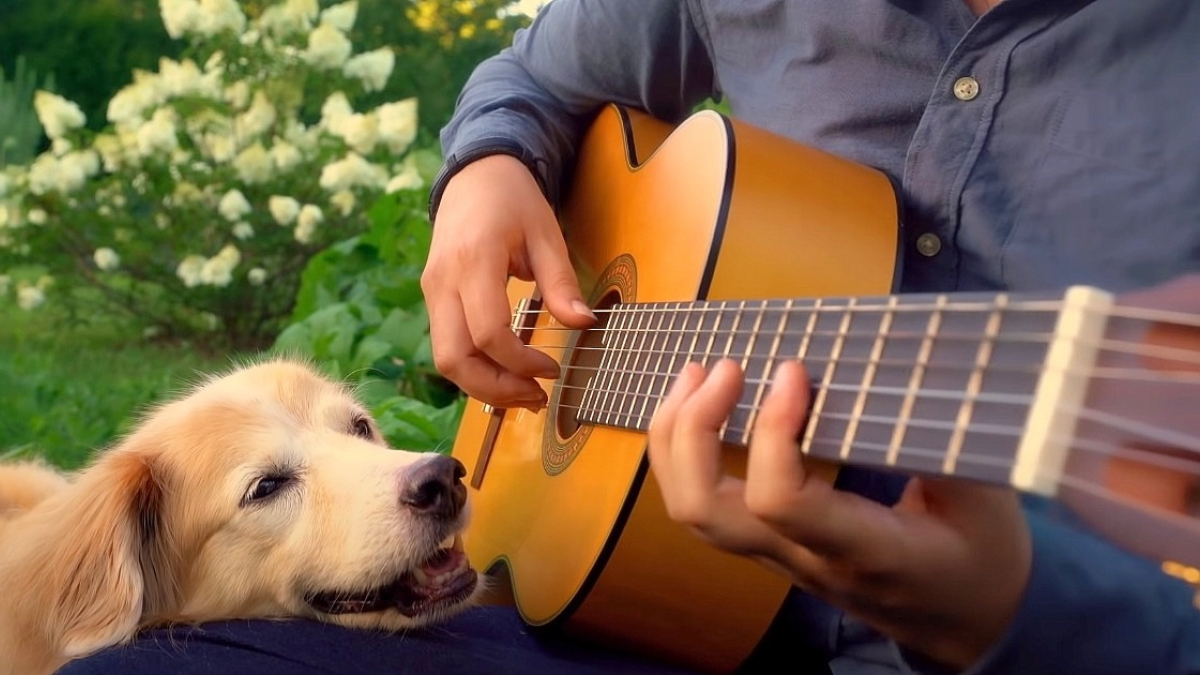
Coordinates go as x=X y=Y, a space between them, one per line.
x=266 y=492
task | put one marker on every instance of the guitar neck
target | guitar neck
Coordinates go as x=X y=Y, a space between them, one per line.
x=985 y=386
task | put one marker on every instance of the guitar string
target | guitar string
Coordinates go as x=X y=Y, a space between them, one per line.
x=1123 y=347
x=904 y=304
x=1181 y=442
x=1102 y=372
x=1186 y=467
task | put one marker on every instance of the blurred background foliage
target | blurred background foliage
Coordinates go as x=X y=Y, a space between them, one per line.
x=71 y=384
x=91 y=47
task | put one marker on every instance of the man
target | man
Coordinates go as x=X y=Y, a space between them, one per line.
x=1019 y=134
x=1036 y=143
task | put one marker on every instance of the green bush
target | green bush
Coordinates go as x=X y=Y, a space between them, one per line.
x=196 y=208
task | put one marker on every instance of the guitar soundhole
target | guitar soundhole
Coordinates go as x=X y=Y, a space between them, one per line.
x=582 y=364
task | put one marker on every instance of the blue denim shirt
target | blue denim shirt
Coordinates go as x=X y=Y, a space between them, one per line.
x=1046 y=143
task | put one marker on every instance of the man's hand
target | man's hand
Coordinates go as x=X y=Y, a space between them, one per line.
x=942 y=572
x=493 y=222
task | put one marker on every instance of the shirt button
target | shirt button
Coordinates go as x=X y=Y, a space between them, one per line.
x=966 y=88
x=928 y=244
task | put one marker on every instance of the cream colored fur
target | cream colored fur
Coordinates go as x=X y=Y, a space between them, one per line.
x=157 y=529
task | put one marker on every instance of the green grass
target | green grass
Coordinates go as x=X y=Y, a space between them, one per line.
x=68 y=388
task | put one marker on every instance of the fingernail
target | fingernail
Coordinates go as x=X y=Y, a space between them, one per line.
x=580 y=307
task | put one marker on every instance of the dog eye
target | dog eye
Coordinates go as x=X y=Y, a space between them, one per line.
x=361 y=427
x=265 y=487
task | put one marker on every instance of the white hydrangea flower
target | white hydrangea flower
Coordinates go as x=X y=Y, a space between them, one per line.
x=306 y=223
x=243 y=230
x=181 y=78
x=30 y=297
x=179 y=16
x=328 y=48
x=65 y=174
x=290 y=18
x=360 y=132
x=341 y=16
x=128 y=106
x=256 y=276
x=220 y=147
x=36 y=216
x=408 y=179
x=372 y=68
x=237 y=95
x=218 y=270
x=106 y=259
x=257 y=120
x=217 y=16
x=285 y=155
x=233 y=205
x=344 y=201
x=112 y=153
x=398 y=124
x=352 y=171
x=335 y=112
x=158 y=135
x=253 y=165
x=283 y=209
x=189 y=269
x=57 y=114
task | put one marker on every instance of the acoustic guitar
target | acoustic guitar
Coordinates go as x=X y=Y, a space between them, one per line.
x=715 y=239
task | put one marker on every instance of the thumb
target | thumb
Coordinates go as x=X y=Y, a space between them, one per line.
x=554 y=276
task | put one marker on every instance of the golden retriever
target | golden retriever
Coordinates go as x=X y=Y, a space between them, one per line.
x=267 y=492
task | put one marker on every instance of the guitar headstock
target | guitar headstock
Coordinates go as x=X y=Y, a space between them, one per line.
x=1133 y=472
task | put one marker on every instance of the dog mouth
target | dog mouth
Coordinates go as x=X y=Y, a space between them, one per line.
x=444 y=580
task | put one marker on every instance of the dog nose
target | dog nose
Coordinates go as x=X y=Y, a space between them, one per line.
x=435 y=487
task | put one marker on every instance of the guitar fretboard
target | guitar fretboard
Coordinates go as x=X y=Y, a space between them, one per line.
x=921 y=383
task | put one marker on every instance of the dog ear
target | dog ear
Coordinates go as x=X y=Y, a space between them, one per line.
x=108 y=547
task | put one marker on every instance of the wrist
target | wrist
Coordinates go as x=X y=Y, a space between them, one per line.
x=456 y=162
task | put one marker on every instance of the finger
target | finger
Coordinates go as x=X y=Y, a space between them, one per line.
x=662 y=425
x=695 y=459
x=455 y=357
x=807 y=509
x=486 y=309
x=555 y=278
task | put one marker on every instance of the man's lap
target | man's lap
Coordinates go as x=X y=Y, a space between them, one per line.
x=483 y=640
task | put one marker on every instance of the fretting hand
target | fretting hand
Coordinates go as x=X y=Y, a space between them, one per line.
x=942 y=572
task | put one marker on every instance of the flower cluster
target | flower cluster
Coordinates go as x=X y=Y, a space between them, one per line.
x=216 y=177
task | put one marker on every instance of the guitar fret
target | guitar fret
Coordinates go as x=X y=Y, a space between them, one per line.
x=914 y=383
x=868 y=379
x=612 y=383
x=712 y=334
x=643 y=352
x=733 y=333
x=827 y=380
x=974 y=385
x=656 y=353
x=638 y=353
x=663 y=376
x=768 y=368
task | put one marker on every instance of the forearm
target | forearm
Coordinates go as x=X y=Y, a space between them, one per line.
x=535 y=99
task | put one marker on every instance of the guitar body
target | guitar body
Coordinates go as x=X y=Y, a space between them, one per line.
x=569 y=514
